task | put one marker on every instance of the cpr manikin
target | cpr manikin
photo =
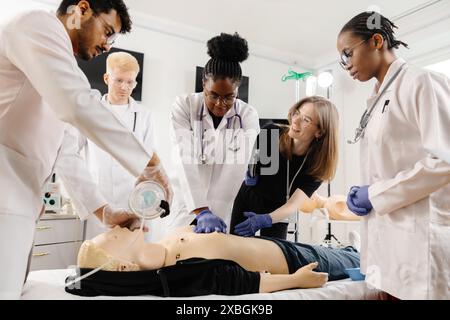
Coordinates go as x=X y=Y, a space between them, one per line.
x=123 y=250
x=300 y=202
x=336 y=206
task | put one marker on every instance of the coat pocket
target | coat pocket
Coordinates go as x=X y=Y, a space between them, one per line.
x=405 y=219
x=20 y=184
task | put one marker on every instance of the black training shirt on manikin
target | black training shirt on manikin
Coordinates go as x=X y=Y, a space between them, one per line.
x=192 y=277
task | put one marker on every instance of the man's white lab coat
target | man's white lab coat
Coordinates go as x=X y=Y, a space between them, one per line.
x=41 y=87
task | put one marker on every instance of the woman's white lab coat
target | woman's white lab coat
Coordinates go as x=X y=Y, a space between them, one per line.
x=40 y=85
x=216 y=183
x=406 y=238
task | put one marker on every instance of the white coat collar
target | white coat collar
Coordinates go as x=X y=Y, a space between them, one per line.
x=133 y=106
x=391 y=71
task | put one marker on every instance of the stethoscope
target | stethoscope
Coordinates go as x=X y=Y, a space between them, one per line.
x=135 y=119
x=289 y=184
x=231 y=123
x=359 y=132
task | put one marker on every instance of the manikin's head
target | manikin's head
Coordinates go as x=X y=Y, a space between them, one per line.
x=124 y=249
x=120 y=77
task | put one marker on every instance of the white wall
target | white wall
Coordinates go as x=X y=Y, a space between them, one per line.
x=441 y=67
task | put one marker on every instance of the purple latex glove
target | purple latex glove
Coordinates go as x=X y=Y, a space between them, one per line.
x=208 y=222
x=358 y=200
x=254 y=223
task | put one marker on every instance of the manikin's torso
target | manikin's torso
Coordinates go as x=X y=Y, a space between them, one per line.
x=250 y=253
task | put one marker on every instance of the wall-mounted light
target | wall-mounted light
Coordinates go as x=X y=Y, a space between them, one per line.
x=325 y=79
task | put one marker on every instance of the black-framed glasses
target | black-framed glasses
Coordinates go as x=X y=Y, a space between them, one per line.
x=347 y=54
x=214 y=98
x=110 y=34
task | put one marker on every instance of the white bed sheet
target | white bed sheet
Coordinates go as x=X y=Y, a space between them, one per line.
x=49 y=285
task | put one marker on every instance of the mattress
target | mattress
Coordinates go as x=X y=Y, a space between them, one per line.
x=49 y=285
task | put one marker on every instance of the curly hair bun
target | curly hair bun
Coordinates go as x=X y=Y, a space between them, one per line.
x=228 y=47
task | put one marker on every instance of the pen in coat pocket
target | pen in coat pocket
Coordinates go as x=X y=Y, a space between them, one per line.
x=386 y=103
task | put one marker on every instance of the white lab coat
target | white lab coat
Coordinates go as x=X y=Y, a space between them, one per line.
x=216 y=183
x=406 y=238
x=114 y=182
x=40 y=87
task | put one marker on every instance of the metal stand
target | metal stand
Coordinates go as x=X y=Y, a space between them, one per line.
x=296 y=223
x=327 y=241
x=292 y=75
x=329 y=237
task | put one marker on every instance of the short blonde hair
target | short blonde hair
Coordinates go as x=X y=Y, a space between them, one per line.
x=92 y=256
x=122 y=61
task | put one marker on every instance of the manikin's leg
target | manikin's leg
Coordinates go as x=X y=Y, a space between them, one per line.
x=335 y=261
x=332 y=261
x=16 y=240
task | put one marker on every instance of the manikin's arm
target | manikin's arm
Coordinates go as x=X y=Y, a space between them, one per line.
x=298 y=201
x=303 y=278
x=338 y=210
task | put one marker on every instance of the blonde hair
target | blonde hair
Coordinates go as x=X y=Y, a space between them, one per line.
x=92 y=256
x=323 y=154
x=122 y=61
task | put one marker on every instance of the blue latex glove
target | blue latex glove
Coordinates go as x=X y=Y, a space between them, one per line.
x=358 y=200
x=208 y=222
x=250 y=181
x=254 y=222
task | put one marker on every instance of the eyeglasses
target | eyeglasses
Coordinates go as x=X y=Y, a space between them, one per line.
x=214 y=98
x=304 y=119
x=121 y=83
x=110 y=35
x=347 y=54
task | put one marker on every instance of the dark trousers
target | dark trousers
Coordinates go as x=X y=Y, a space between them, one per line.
x=246 y=200
x=332 y=261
